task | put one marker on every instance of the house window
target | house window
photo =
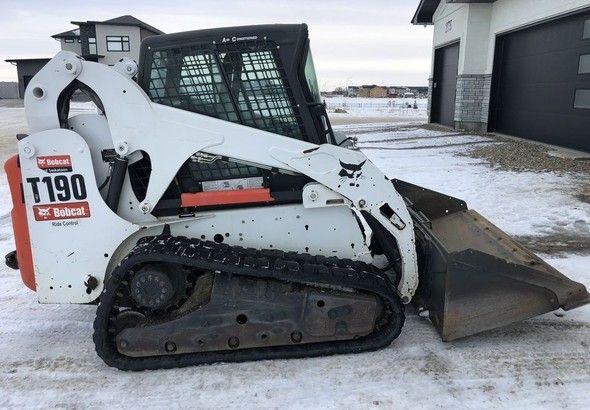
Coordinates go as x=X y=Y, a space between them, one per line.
x=584 y=67
x=117 y=43
x=68 y=40
x=92 y=45
x=582 y=99
x=586 y=30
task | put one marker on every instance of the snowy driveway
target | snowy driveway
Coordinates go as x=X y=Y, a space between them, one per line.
x=47 y=357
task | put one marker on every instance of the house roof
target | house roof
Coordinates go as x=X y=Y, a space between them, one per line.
x=68 y=34
x=426 y=9
x=27 y=60
x=126 y=20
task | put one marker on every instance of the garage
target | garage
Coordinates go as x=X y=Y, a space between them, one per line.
x=444 y=85
x=541 y=83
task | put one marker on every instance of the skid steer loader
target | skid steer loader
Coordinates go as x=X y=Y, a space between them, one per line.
x=213 y=214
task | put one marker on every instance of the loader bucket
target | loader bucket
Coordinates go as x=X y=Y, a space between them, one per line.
x=473 y=276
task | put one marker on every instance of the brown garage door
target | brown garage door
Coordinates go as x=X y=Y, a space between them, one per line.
x=541 y=83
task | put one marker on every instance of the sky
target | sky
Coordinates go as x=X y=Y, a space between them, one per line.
x=353 y=42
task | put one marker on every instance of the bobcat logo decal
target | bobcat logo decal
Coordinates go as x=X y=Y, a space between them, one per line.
x=43 y=212
x=351 y=172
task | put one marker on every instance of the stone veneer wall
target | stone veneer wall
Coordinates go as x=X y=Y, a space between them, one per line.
x=472 y=104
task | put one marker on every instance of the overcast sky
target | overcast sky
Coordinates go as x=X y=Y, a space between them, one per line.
x=353 y=42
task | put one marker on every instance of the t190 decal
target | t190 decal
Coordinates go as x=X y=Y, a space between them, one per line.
x=60 y=188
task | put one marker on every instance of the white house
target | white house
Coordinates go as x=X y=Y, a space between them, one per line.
x=107 y=41
x=517 y=67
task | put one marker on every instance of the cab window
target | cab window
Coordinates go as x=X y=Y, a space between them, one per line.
x=310 y=77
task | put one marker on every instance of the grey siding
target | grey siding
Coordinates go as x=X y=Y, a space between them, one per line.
x=8 y=89
x=112 y=57
x=143 y=33
x=74 y=47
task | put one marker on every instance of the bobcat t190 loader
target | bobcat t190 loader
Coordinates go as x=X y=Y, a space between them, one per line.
x=212 y=213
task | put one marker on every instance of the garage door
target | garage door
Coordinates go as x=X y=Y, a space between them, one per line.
x=541 y=84
x=444 y=83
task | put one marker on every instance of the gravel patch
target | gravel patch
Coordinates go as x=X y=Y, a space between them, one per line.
x=522 y=156
x=558 y=244
x=514 y=155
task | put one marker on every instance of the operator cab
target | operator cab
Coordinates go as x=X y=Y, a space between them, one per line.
x=259 y=76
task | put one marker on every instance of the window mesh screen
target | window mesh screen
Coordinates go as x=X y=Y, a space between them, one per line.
x=241 y=82
x=139 y=176
x=190 y=79
x=257 y=80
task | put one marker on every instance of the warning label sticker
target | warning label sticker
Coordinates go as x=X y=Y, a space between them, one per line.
x=55 y=163
x=52 y=212
x=232 y=184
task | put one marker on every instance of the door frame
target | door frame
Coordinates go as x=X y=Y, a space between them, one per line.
x=496 y=81
x=435 y=96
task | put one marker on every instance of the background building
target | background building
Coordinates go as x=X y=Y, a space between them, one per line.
x=26 y=68
x=518 y=67
x=372 y=91
x=101 y=41
x=352 y=91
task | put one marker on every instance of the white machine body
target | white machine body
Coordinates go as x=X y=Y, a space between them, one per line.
x=75 y=235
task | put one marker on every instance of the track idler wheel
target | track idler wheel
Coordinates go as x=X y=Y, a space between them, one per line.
x=157 y=286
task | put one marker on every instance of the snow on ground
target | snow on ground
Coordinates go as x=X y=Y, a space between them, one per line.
x=521 y=203
x=47 y=357
x=12 y=122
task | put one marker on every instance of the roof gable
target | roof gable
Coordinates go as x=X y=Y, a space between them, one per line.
x=68 y=34
x=126 y=20
x=132 y=21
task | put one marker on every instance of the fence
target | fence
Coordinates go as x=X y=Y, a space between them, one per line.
x=390 y=106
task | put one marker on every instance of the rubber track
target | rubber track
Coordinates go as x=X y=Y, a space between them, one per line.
x=266 y=264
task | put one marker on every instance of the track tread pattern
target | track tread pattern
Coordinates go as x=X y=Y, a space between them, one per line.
x=318 y=271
